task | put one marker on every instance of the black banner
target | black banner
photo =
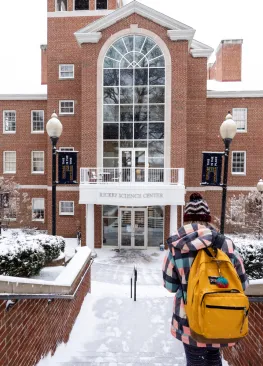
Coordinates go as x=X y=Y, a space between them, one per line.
x=67 y=167
x=212 y=168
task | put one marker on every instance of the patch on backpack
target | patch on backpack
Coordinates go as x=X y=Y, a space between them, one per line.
x=213 y=280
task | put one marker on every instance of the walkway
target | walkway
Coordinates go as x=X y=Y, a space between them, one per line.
x=111 y=328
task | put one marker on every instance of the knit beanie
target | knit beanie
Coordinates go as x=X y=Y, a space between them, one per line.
x=197 y=209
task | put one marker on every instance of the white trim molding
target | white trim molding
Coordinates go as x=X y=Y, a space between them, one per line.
x=79 y=13
x=92 y=37
x=23 y=96
x=229 y=188
x=181 y=34
x=181 y=31
x=235 y=94
x=199 y=49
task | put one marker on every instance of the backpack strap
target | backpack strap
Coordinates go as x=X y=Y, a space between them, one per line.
x=217 y=243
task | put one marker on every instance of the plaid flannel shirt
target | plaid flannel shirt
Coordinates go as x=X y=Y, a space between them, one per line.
x=183 y=247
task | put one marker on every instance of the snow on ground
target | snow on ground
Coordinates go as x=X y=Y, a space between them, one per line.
x=114 y=330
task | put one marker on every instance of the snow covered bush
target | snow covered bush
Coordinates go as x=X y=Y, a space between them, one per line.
x=251 y=251
x=21 y=259
x=24 y=255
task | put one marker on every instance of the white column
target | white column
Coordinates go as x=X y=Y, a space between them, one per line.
x=90 y=226
x=173 y=219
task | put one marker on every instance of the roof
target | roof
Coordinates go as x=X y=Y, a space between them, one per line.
x=176 y=30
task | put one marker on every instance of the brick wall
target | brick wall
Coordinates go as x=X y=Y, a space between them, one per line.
x=39 y=324
x=249 y=351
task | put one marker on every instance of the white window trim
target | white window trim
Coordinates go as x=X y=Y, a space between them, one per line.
x=102 y=9
x=7 y=172
x=68 y=113
x=37 y=198
x=245 y=130
x=66 y=213
x=42 y=131
x=37 y=173
x=245 y=163
x=4 y=131
x=66 y=77
x=66 y=148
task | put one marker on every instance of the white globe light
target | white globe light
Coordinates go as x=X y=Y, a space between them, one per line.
x=260 y=186
x=54 y=126
x=228 y=129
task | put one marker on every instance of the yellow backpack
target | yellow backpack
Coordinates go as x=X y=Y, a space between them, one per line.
x=216 y=308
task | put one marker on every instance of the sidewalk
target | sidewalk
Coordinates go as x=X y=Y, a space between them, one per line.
x=111 y=328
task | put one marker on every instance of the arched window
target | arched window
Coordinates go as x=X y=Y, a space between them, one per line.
x=134 y=102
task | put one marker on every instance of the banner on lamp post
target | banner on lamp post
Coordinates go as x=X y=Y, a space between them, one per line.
x=212 y=168
x=67 y=167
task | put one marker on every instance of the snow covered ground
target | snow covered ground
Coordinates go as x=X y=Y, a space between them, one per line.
x=111 y=328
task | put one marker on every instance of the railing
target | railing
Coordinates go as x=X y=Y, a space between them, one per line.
x=131 y=175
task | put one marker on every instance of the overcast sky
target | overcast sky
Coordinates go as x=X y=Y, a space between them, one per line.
x=23 y=28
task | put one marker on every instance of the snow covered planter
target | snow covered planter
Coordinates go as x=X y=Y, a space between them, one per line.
x=24 y=255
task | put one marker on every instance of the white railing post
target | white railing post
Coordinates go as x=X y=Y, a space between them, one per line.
x=181 y=176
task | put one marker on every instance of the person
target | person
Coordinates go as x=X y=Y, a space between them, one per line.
x=183 y=246
x=79 y=236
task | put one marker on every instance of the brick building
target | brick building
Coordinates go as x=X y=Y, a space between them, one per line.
x=129 y=85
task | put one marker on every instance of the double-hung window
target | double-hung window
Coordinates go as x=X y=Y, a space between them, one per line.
x=61 y=5
x=66 y=71
x=102 y=4
x=240 y=117
x=9 y=121
x=9 y=162
x=66 y=207
x=239 y=162
x=37 y=162
x=66 y=107
x=38 y=209
x=37 y=121
x=81 y=4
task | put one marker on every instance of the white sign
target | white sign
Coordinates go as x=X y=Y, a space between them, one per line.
x=132 y=195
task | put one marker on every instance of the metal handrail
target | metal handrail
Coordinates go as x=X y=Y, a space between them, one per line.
x=45 y=296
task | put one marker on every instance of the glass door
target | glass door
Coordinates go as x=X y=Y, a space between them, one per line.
x=126 y=228
x=133 y=228
x=133 y=165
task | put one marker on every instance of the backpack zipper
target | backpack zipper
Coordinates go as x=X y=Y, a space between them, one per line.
x=234 y=291
x=225 y=307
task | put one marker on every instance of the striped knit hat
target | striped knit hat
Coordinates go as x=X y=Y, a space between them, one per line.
x=197 y=209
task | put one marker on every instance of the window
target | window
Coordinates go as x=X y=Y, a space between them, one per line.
x=134 y=99
x=61 y=5
x=37 y=121
x=239 y=162
x=66 y=71
x=66 y=107
x=81 y=4
x=66 y=149
x=102 y=4
x=38 y=209
x=9 y=121
x=38 y=162
x=240 y=117
x=66 y=207
x=9 y=161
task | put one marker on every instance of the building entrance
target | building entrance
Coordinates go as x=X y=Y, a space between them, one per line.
x=133 y=228
x=133 y=163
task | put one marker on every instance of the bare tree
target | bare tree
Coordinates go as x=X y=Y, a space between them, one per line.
x=245 y=213
x=11 y=201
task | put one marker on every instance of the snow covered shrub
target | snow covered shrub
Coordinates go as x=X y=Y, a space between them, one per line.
x=24 y=255
x=252 y=255
x=21 y=260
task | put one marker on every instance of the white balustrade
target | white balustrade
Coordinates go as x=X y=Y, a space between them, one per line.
x=132 y=175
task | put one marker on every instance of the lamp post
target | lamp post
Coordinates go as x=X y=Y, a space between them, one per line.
x=228 y=131
x=260 y=190
x=54 y=130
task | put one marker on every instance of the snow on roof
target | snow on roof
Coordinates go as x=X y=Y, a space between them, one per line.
x=27 y=89
x=234 y=89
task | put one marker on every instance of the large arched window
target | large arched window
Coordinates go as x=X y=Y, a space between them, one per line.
x=134 y=102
